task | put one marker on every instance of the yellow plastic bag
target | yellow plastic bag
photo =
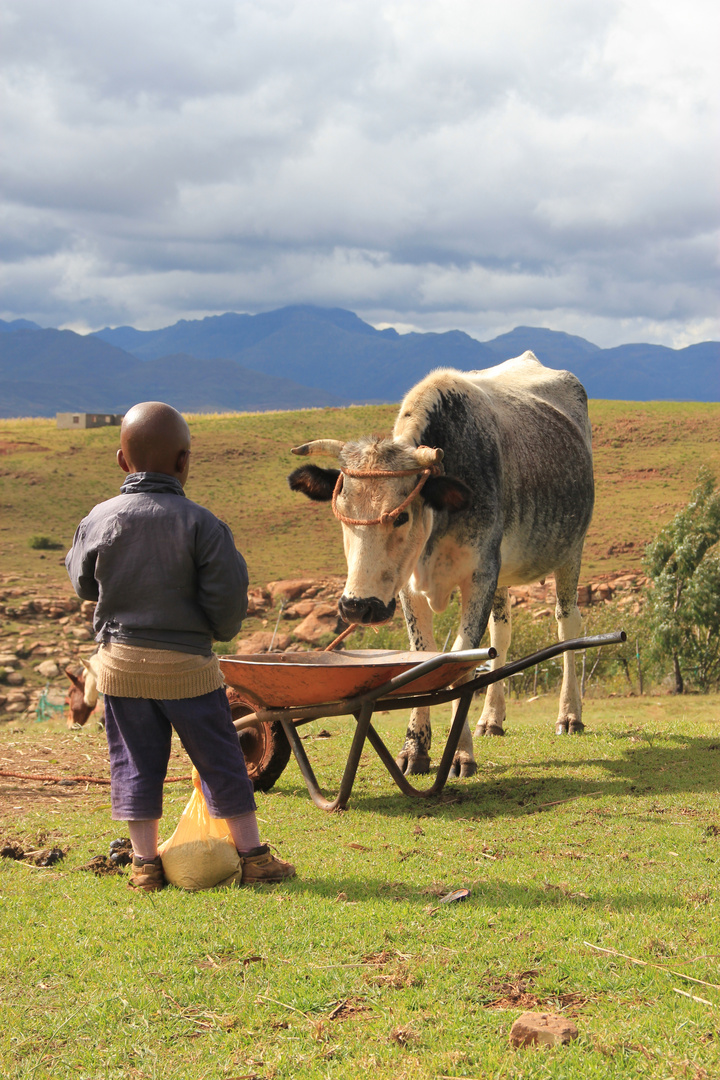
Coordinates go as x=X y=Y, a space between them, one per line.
x=200 y=854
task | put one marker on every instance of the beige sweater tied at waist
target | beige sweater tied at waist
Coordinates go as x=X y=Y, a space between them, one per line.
x=131 y=671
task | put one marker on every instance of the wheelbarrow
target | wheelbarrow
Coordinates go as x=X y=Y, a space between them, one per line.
x=273 y=694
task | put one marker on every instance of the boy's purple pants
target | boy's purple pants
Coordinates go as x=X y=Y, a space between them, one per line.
x=139 y=734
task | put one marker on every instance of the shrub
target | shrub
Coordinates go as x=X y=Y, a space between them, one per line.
x=44 y=543
x=683 y=563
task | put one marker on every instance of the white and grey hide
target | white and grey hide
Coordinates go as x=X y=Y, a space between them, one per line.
x=510 y=504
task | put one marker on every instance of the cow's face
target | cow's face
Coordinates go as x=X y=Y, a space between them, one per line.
x=78 y=699
x=382 y=554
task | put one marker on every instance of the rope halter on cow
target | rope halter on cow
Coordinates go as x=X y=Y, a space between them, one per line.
x=428 y=459
x=387 y=515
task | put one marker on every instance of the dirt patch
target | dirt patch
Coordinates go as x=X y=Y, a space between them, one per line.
x=516 y=992
x=511 y=991
x=39 y=750
x=11 y=447
x=348 y=1008
x=48 y=856
x=388 y=969
x=101 y=866
x=120 y=855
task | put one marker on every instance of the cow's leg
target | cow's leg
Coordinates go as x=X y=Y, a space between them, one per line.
x=477 y=598
x=493 y=714
x=415 y=754
x=463 y=763
x=569 y=623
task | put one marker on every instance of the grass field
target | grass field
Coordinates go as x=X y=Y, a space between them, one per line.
x=646 y=460
x=569 y=847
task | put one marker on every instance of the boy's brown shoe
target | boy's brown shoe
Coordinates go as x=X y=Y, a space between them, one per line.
x=260 y=866
x=147 y=874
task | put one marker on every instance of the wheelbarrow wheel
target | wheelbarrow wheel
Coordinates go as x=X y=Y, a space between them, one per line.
x=265 y=748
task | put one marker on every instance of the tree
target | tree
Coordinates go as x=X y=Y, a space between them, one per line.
x=683 y=563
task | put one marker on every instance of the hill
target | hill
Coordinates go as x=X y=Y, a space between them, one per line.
x=307 y=356
x=47 y=371
x=335 y=349
x=326 y=347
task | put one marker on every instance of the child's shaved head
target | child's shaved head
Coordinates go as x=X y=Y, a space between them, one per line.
x=154 y=437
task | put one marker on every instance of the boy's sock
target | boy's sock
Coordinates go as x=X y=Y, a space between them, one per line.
x=244 y=831
x=144 y=837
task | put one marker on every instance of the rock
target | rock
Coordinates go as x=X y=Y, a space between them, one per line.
x=320 y=622
x=603 y=591
x=16 y=707
x=14 y=678
x=542 y=1029
x=48 y=669
x=81 y=633
x=87 y=609
x=300 y=610
x=15 y=695
x=289 y=589
x=259 y=642
x=259 y=600
x=584 y=595
x=627 y=581
x=8 y=660
x=542 y=613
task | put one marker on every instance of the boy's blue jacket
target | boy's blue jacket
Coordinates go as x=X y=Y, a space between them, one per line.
x=163 y=570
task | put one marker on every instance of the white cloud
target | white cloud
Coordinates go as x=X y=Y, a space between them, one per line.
x=433 y=163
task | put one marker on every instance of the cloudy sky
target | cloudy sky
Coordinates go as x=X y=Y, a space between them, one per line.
x=430 y=164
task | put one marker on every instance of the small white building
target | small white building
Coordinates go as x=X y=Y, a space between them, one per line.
x=88 y=420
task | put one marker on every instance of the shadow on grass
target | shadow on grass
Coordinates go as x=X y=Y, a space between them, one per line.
x=495 y=894
x=660 y=765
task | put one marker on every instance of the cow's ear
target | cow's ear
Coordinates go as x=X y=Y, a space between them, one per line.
x=318 y=484
x=447 y=493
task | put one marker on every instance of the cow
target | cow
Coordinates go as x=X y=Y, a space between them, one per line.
x=486 y=482
x=83 y=694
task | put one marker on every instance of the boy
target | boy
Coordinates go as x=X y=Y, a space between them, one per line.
x=167 y=580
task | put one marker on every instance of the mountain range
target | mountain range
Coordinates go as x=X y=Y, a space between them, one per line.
x=305 y=356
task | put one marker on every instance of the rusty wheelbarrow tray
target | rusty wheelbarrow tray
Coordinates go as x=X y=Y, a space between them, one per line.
x=322 y=684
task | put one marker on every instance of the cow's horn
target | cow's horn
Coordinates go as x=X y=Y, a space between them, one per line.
x=429 y=455
x=319 y=446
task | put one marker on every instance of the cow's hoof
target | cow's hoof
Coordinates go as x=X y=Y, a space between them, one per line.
x=561 y=728
x=489 y=727
x=576 y=727
x=463 y=768
x=409 y=765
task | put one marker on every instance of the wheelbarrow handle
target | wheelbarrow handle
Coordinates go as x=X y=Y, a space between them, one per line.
x=464 y=656
x=500 y=673
x=571 y=645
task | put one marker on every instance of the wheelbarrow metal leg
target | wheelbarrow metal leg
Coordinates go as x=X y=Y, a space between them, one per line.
x=452 y=743
x=363 y=718
x=445 y=762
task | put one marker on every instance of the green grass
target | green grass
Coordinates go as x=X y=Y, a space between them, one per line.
x=98 y=982
x=646 y=460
